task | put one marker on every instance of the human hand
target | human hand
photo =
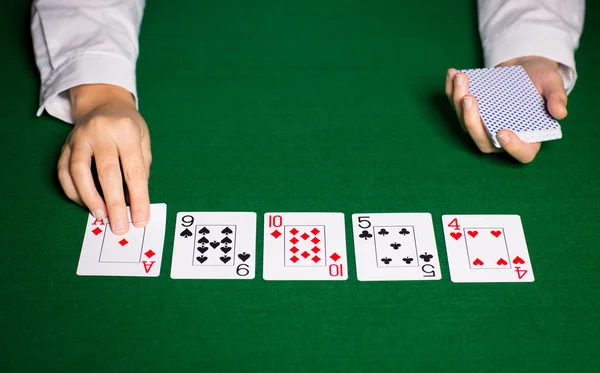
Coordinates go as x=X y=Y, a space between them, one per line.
x=546 y=79
x=109 y=129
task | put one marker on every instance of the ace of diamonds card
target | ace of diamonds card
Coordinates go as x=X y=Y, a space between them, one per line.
x=137 y=253
x=304 y=246
x=487 y=248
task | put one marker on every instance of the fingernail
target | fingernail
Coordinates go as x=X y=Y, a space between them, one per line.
x=140 y=219
x=99 y=214
x=467 y=102
x=504 y=139
x=459 y=80
x=120 y=225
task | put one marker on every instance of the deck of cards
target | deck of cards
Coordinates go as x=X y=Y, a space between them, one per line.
x=312 y=246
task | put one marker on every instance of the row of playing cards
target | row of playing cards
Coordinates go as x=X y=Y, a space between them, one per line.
x=312 y=246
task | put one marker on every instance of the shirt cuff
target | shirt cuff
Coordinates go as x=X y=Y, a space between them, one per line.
x=542 y=41
x=91 y=68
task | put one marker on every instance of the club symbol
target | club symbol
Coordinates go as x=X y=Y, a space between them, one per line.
x=204 y=231
x=225 y=249
x=407 y=260
x=404 y=232
x=201 y=259
x=386 y=260
x=203 y=240
x=395 y=245
x=186 y=233
x=383 y=232
x=365 y=234
x=227 y=231
x=226 y=240
x=214 y=244
x=426 y=257
x=225 y=259
x=244 y=256
x=202 y=249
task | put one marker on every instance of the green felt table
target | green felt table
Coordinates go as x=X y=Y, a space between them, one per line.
x=302 y=106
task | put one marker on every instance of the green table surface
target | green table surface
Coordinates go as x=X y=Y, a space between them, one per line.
x=302 y=106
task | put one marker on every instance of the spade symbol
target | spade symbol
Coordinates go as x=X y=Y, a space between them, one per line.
x=226 y=240
x=226 y=231
x=383 y=232
x=365 y=234
x=225 y=249
x=426 y=257
x=202 y=249
x=203 y=240
x=404 y=231
x=386 y=260
x=244 y=256
x=395 y=245
x=214 y=244
x=407 y=260
x=186 y=233
x=201 y=259
x=225 y=258
x=204 y=231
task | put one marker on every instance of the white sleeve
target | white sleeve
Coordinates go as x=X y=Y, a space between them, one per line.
x=546 y=28
x=84 y=42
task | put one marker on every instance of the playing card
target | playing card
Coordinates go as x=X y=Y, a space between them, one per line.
x=304 y=246
x=487 y=248
x=508 y=99
x=391 y=247
x=136 y=253
x=214 y=245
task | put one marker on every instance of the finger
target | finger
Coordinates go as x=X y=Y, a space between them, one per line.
x=136 y=178
x=80 y=167
x=449 y=89
x=553 y=90
x=64 y=177
x=461 y=88
x=474 y=125
x=109 y=173
x=521 y=151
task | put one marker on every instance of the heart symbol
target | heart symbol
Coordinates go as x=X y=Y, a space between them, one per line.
x=244 y=256
x=518 y=260
x=501 y=262
x=456 y=235
x=473 y=233
x=225 y=258
x=496 y=233
x=214 y=244
x=477 y=262
x=201 y=259
x=202 y=249
x=226 y=249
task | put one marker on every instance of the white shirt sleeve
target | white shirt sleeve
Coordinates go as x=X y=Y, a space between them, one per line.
x=84 y=42
x=546 y=28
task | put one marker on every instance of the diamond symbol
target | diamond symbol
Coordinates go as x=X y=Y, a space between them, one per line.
x=275 y=233
x=315 y=250
x=305 y=236
x=294 y=249
x=97 y=231
x=315 y=231
x=294 y=240
x=316 y=259
x=123 y=242
x=335 y=257
x=294 y=259
x=305 y=254
x=294 y=231
x=149 y=253
x=315 y=240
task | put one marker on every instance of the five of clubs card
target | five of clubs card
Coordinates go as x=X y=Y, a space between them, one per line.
x=390 y=247
x=487 y=248
x=214 y=245
x=137 y=253
x=304 y=246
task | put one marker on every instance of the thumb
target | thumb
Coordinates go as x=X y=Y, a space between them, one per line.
x=554 y=92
